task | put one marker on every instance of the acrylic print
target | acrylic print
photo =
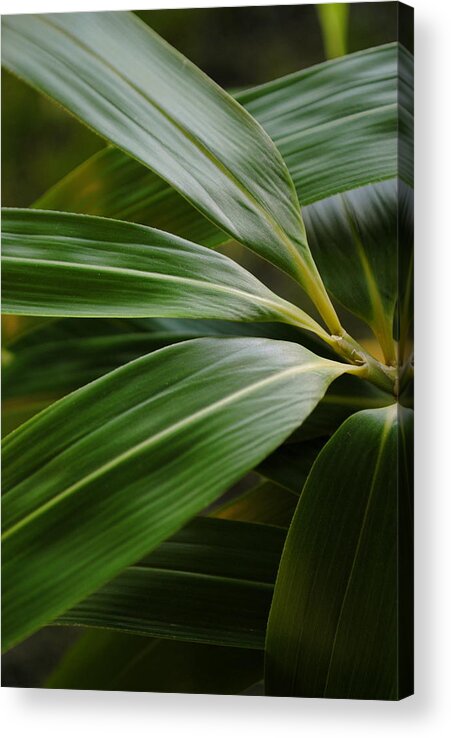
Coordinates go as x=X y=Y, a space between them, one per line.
x=207 y=360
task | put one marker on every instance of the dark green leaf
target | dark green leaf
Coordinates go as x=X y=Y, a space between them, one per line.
x=340 y=619
x=347 y=395
x=60 y=356
x=210 y=583
x=267 y=502
x=290 y=464
x=118 y=661
x=104 y=475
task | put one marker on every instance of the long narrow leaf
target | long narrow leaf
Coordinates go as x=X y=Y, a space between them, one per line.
x=61 y=264
x=104 y=475
x=334 y=123
x=124 y=81
x=340 y=623
x=62 y=355
x=210 y=583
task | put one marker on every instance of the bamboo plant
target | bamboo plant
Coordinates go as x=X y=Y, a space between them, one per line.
x=164 y=372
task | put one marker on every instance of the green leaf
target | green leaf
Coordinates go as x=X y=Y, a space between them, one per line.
x=333 y=18
x=57 y=264
x=346 y=396
x=404 y=327
x=335 y=124
x=340 y=620
x=118 y=661
x=55 y=362
x=211 y=583
x=103 y=476
x=60 y=356
x=290 y=464
x=354 y=238
x=120 y=78
x=46 y=363
x=267 y=502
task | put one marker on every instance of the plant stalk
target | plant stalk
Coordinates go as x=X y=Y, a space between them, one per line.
x=384 y=377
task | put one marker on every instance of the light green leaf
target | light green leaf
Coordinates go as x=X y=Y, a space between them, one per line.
x=340 y=622
x=333 y=18
x=118 y=661
x=120 y=78
x=335 y=124
x=211 y=583
x=60 y=264
x=103 y=476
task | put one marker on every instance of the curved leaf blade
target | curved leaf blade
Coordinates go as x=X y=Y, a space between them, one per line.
x=334 y=627
x=61 y=264
x=120 y=78
x=335 y=124
x=60 y=356
x=91 y=485
x=210 y=583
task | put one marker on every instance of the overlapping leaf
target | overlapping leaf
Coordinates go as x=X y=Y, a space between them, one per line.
x=210 y=583
x=57 y=264
x=63 y=355
x=125 y=82
x=335 y=124
x=340 y=622
x=354 y=238
x=104 y=475
x=339 y=126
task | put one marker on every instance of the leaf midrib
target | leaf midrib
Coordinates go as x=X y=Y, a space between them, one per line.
x=157 y=437
x=200 y=284
x=382 y=443
x=166 y=571
x=186 y=132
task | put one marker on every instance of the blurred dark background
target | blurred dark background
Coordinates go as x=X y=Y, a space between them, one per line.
x=238 y=47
